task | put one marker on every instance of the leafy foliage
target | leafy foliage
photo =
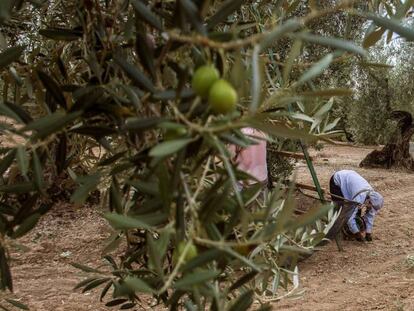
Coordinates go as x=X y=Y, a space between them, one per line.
x=101 y=91
x=382 y=83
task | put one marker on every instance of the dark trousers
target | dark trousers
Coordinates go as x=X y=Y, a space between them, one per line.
x=346 y=211
x=336 y=190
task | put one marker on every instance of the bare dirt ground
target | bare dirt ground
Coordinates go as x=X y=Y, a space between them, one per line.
x=370 y=276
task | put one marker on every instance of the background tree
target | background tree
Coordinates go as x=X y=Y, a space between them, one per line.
x=382 y=111
x=100 y=92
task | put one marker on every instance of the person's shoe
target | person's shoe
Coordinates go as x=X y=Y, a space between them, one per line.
x=358 y=236
x=368 y=237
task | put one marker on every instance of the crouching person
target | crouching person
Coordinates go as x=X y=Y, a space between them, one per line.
x=353 y=187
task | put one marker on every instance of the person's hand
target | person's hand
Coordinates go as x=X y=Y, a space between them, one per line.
x=359 y=237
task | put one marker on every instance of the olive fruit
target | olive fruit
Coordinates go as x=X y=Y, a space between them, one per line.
x=191 y=252
x=175 y=133
x=203 y=79
x=222 y=97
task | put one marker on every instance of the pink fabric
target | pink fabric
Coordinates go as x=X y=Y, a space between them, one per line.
x=252 y=159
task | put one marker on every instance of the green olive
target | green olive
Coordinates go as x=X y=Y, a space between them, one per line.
x=175 y=133
x=191 y=252
x=203 y=79
x=222 y=97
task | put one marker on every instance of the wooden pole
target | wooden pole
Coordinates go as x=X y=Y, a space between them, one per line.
x=288 y=154
x=313 y=188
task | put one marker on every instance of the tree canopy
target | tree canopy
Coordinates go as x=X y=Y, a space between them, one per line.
x=99 y=92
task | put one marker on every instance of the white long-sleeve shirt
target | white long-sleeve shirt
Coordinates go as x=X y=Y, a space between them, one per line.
x=352 y=185
x=355 y=188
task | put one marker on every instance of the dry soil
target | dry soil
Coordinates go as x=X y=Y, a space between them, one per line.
x=369 y=276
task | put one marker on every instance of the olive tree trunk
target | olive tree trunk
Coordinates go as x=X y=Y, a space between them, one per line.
x=396 y=153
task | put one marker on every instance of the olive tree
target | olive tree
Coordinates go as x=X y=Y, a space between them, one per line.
x=141 y=101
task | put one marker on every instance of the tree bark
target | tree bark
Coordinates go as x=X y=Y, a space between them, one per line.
x=396 y=153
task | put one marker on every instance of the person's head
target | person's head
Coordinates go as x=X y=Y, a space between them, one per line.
x=375 y=200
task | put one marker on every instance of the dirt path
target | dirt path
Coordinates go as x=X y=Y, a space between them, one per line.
x=43 y=277
x=365 y=277
x=369 y=276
